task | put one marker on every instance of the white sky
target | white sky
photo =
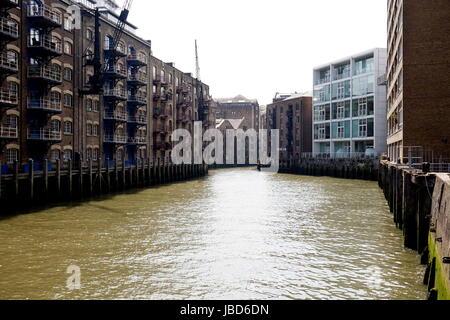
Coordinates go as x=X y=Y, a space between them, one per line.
x=259 y=47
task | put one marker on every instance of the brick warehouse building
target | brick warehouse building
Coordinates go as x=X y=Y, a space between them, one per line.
x=418 y=77
x=292 y=115
x=239 y=108
x=46 y=70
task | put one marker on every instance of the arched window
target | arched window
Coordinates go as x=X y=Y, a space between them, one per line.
x=12 y=155
x=119 y=154
x=68 y=100
x=12 y=121
x=13 y=88
x=55 y=125
x=12 y=58
x=109 y=41
x=68 y=127
x=68 y=74
x=89 y=153
x=67 y=155
x=54 y=155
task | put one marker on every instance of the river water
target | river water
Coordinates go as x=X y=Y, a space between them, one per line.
x=236 y=234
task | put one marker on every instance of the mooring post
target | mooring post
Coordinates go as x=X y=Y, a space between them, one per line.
x=45 y=168
x=149 y=173
x=124 y=178
x=70 y=178
x=58 y=177
x=80 y=176
x=100 y=177
x=16 y=179
x=108 y=176
x=91 y=187
x=116 y=175
x=31 y=177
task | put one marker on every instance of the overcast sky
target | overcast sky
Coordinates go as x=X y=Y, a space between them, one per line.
x=259 y=47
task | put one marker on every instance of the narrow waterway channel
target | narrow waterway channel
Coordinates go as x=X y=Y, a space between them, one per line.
x=236 y=234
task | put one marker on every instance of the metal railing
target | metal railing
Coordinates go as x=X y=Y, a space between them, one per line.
x=137 y=119
x=46 y=42
x=142 y=98
x=137 y=77
x=44 y=134
x=338 y=155
x=137 y=139
x=116 y=115
x=8 y=62
x=8 y=97
x=416 y=156
x=9 y=27
x=45 y=104
x=45 y=72
x=117 y=70
x=114 y=138
x=41 y=10
x=9 y=132
x=116 y=92
x=137 y=57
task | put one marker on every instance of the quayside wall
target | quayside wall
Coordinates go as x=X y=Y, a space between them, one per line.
x=31 y=183
x=420 y=203
x=362 y=168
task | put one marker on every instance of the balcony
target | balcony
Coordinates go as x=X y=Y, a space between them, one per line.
x=43 y=16
x=8 y=63
x=44 y=46
x=115 y=94
x=8 y=30
x=137 y=99
x=111 y=51
x=137 y=120
x=47 y=74
x=116 y=139
x=115 y=72
x=137 y=60
x=156 y=80
x=137 y=80
x=9 y=4
x=138 y=140
x=119 y=116
x=45 y=105
x=8 y=98
x=8 y=133
x=44 y=135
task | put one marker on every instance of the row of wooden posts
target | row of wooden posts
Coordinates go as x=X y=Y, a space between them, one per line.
x=363 y=169
x=85 y=179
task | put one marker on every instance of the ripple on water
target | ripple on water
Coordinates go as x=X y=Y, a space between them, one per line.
x=238 y=234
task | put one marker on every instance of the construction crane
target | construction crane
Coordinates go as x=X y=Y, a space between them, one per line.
x=97 y=81
x=199 y=86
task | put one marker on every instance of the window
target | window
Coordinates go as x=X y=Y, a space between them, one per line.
x=364 y=65
x=95 y=105
x=341 y=130
x=54 y=155
x=12 y=155
x=12 y=58
x=95 y=130
x=55 y=125
x=89 y=153
x=363 y=128
x=68 y=100
x=89 y=34
x=67 y=155
x=67 y=24
x=362 y=107
x=67 y=74
x=11 y=122
x=13 y=88
x=95 y=154
x=89 y=129
x=68 y=127
x=67 y=48
x=55 y=99
x=89 y=104
x=340 y=110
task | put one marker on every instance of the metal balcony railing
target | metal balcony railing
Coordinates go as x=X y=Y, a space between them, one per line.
x=45 y=43
x=8 y=133
x=137 y=78
x=8 y=62
x=139 y=98
x=120 y=51
x=115 y=93
x=116 y=115
x=137 y=140
x=138 y=119
x=45 y=104
x=137 y=59
x=118 y=71
x=8 y=97
x=45 y=72
x=9 y=28
x=44 y=12
x=44 y=134
x=114 y=138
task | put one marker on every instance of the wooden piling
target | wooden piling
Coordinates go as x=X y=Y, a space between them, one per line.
x=45 y=177
x=31 y=179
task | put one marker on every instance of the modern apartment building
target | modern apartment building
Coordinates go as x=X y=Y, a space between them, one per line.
x=418 y=78
x=292 y=115
x=349 y=105
x=48 y=109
